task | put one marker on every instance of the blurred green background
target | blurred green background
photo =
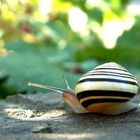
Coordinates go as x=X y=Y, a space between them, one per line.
x=42 y=40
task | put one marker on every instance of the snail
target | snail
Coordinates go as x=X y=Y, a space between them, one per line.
x=107 y=89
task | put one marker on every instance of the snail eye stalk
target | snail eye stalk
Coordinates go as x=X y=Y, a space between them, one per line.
x=66 y=83
x=51 y=88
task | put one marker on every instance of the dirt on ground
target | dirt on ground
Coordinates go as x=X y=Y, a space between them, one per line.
x=45 y=116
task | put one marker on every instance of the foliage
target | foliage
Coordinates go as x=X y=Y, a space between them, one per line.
x=31 y=64
x=40 y=41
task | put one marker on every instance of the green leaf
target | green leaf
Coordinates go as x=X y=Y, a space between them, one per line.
x=130 y=38
x=124 y=55
x=28 y=65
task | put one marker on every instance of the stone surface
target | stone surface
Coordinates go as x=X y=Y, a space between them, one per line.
x=45 y=116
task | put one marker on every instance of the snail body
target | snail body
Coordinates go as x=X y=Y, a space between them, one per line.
x=106 y=89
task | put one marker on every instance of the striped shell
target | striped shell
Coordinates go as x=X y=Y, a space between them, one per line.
x=105 y=85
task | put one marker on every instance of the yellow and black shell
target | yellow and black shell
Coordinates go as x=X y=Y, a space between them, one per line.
x=105 y=85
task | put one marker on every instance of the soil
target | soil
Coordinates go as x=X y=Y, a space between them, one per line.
x=45 y=116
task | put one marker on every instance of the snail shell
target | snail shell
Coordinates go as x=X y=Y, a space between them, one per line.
x=106 y=89
x=106 y=85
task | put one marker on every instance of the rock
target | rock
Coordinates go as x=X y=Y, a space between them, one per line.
x=45 y=116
